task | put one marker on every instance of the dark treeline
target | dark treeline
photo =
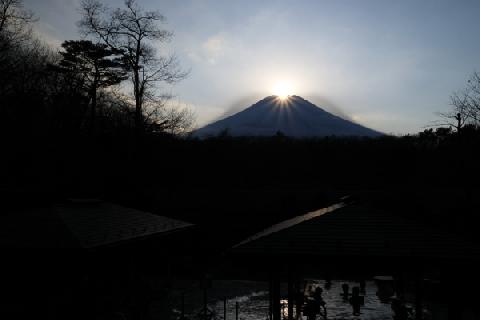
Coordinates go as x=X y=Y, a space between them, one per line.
x=432 y=177
x=75 y=91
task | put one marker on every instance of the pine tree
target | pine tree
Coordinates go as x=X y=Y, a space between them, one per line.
x=95 y=65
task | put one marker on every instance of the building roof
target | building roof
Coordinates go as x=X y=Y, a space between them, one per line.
x=101 y=223
x=84 y=224
x=356 y=231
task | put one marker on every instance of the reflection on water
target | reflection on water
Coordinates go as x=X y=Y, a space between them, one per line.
x=252 y=298
x=340 y=309
x=254 y=305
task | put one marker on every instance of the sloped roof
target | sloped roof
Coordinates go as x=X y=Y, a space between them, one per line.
x=96 y=224
x=84 y=224
x=354 y=230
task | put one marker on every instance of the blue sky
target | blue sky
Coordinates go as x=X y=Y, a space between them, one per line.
x=389 y=65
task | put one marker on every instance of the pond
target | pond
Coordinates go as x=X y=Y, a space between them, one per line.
x=252 y=298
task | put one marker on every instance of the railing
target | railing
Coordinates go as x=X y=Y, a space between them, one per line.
x=208 y=313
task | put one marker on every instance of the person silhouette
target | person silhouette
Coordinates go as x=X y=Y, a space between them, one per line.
x=328 y=282
x=313 y=303
x=362 y=287
x=299 y=302
x=345 y=293
x=400 y=309
x=317 y=296
x=319 y=302
x=356 y=301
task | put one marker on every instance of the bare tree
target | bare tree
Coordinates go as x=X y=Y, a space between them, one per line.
x=465 y=106
x=15 y=22
x=134 y=31
x=457 y=117
x=178 y=120
x=471 y=96
x=117 y=109
x=15 y=29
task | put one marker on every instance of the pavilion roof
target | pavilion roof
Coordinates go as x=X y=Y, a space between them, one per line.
x=102 y=223
x=84 y=224
x=356 y=231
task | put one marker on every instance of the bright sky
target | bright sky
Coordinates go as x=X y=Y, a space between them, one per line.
x=387 y=64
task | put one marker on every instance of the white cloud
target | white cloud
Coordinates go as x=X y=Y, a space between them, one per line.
x=47 y=33
x=211 y=50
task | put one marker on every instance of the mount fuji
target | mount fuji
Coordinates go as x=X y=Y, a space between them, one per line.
x=292 y=116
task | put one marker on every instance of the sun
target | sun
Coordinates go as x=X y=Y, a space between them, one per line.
x=283 y=89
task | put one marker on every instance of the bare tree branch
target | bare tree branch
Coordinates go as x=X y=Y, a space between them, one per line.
x=465 y=106
x=134 y=31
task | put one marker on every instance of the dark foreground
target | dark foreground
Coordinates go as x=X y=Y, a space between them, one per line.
x=228 y=189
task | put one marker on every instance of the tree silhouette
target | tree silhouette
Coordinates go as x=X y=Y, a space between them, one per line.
x=96 y=66
x=175 y=120
x=134 y=31
x=15 y=32
x=14 y=23
x=465 y=105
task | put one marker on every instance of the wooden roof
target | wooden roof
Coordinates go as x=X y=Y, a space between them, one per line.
x=83 y=224
x=96 y=224
x=356 y=231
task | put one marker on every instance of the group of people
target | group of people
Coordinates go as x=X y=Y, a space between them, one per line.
x=313 y=304
x=401 y=311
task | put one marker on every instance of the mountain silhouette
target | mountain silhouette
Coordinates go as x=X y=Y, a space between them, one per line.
x=294 y=117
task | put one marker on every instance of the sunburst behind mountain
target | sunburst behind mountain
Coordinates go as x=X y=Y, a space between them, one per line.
x=292 y=116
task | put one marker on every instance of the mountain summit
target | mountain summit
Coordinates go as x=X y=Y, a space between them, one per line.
x=293 y=116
